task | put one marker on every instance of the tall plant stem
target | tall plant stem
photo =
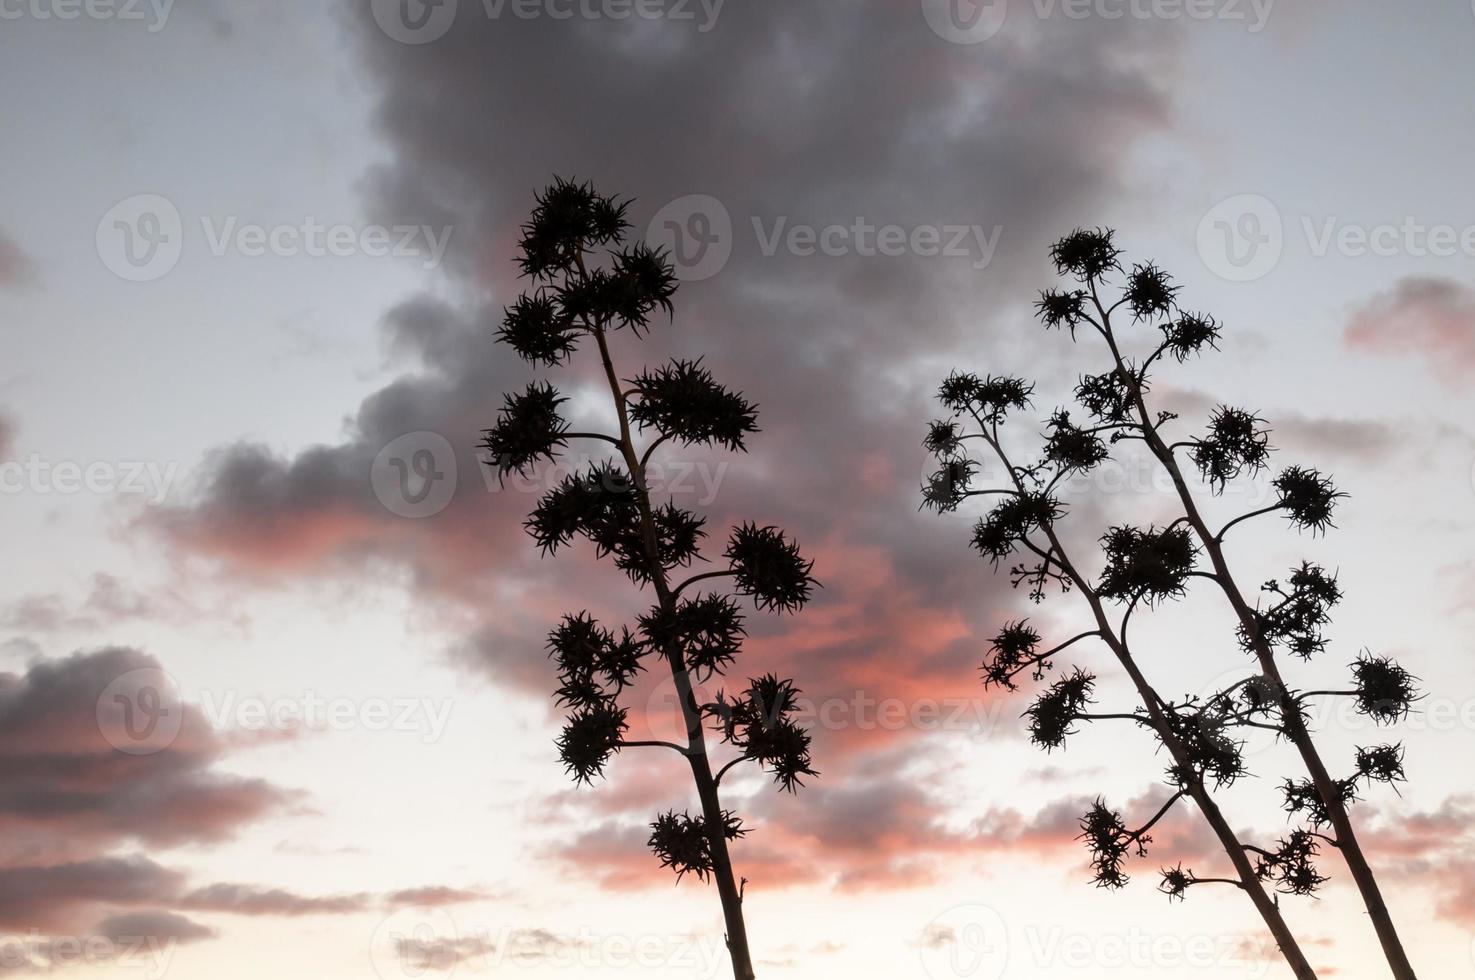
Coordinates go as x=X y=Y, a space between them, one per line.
x=696 y=747
x=1293 y=721
x=1247 y=881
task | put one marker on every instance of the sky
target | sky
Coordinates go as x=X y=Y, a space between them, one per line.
x=266 y=710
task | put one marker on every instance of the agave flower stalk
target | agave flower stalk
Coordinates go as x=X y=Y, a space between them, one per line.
x=1237 y=443
x=1142 y=567
x=579 y=295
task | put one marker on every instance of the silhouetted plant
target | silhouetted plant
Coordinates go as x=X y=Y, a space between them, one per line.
x=1147 y=565
x=588 y=283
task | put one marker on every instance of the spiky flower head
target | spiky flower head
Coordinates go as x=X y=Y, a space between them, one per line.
x=1005 y=527
x=1149 y=292
x=638 y=282
x=1175 y=882
x=1385 y=691
x=1308 y=498
x=990 y=398
x=1086 y=255
x=943 y=438
x=1108 y=840
x=528 y=428
x=1009 y=651
x=1061 y=308
x=759 y=723
x=1302 y=797
x=594 y=665
x=591 y=735
x=1152 y=564
x=588 y=504
x=1237 y=442
x=768 y=567
x=948 y=487
x=682 y=843
x=1290 y=865
x=1381 y=763
x=1071 y=449
x=568 y=218
x=539 y=329
x=681 y=401
x=1107 y=397
x=1053 y=715
x=1189 y=334
x=1303 y=608
x=1210 y=751
x=707 y=631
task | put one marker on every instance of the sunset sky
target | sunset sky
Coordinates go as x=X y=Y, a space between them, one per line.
x=253 y=256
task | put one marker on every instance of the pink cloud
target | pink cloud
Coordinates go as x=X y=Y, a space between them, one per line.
x=16 y=267
x=1431 y=318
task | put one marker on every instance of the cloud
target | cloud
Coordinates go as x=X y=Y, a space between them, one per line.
x=1431 y=318
x=1363 y=440
x=251 y=900
x=16 y=267
x=78 y=801
x=64 y=783
x=46 y=897
x=433 y=896
x=442 y=954
x=1318 y=436
x=818 y=339
x=840 y=351
x=882 y=828
x=1433 y=849
x=154 y=926
x=524 y=947
x=109 y=602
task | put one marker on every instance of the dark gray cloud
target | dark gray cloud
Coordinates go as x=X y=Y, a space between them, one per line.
x=64 y=779
x=807 y=114
x=154 y=926
x=252 y=900
x=789 y=114
x=82 y=788
x=34 y=897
